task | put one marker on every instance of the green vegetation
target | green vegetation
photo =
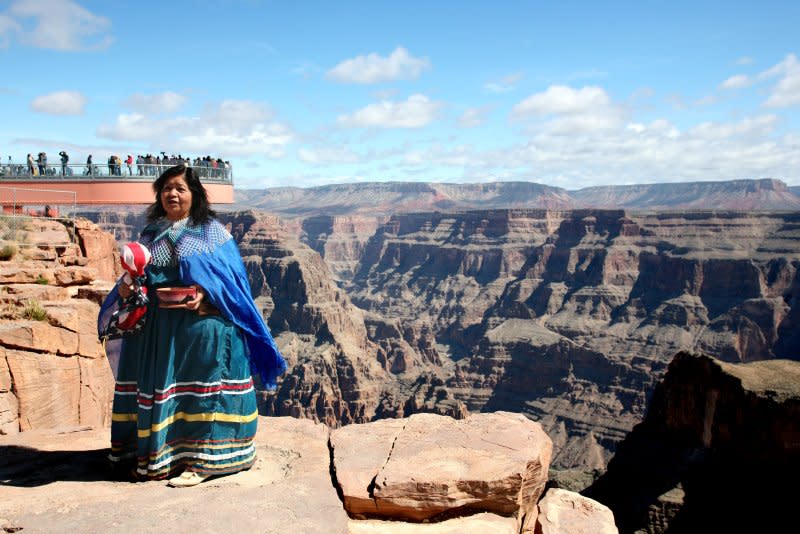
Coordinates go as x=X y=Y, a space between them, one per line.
x=41 y=280
x=34 y=311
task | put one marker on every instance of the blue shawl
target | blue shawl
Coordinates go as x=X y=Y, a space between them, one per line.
x=208 y=256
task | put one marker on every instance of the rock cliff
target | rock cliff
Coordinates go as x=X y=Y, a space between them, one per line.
x=572 y=316
x=718 y=451
x=53 y=371
x=568 y=316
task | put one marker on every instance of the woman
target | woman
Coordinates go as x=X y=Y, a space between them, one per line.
x=184 y=398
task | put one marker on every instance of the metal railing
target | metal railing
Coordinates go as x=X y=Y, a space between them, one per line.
x=106 y=171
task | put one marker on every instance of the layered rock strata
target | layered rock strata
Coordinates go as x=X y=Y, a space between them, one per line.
x=53 y=370
x=572 y=316
x=567 y=316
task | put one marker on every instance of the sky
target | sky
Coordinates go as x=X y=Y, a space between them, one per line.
x=563 y=93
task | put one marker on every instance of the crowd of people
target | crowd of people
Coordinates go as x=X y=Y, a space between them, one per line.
x=141 y=165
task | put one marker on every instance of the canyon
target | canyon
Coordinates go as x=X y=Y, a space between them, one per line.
x=568 y=316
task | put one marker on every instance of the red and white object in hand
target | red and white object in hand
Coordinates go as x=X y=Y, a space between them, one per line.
x=134 y=257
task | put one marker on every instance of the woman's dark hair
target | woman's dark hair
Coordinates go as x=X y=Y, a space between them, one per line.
x=200 y=211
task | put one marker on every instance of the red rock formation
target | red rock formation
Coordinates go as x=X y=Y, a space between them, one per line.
x=571 y=317
x=53 y=371
x=429 y=466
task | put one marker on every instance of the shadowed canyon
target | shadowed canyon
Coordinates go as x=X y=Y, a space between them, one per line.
x=569 y=315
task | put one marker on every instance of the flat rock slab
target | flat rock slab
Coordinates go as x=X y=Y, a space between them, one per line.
x=439 y=466
x=56 y=482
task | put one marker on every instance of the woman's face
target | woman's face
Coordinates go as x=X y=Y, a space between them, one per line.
x=176 y=198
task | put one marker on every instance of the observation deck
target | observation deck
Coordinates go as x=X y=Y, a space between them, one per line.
x=78 y=185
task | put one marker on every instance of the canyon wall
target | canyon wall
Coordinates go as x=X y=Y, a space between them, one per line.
x=53 y=370
x=718 y=451
x=568 y=316
x=572 y=316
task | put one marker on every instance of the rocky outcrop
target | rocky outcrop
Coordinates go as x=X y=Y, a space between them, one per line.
x=572 y=316
x=332 y=375
x=53 y=370
x=565 y=512
x=430 y=466
x=339 y=240
x=717 y=440
x=58 y=481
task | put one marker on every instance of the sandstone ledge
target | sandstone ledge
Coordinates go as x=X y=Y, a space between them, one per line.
x=56 y=481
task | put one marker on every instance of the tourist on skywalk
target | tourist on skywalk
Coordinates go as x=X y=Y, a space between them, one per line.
x=31 y=168
x=64 y=161
x=185 y=401
x=89 y=170
x=42 y=162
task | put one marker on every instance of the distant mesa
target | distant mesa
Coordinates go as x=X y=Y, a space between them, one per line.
x=387 y=198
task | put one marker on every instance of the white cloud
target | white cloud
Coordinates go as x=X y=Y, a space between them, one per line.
x=60 y=103
x=57 y=24
x=787 y=91
x=230 y=127
x=635 y=152
x=373 y=68
x=167 y=102
x=744 y=60
x=560 y=99
x=417 y=111
x=504 y=85
x=635 y=127
x=739 y=81
x=473 y=117
x=657 y=152
x=327 y=155
x=140 y=127
x=754 y=127
x=569 y=111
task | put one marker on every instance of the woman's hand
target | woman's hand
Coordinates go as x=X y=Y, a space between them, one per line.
x=194 y=304
x=125 y=289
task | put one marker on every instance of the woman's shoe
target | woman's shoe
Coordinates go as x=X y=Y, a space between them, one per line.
x=187 y=479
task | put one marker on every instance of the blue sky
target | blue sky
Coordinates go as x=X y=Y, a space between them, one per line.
x=569 y=94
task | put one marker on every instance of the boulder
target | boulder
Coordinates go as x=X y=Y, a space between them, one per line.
x=359 y=451
x=439 y=466
x=567 y=512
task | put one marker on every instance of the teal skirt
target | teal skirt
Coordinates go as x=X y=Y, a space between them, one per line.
x=184 y=397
